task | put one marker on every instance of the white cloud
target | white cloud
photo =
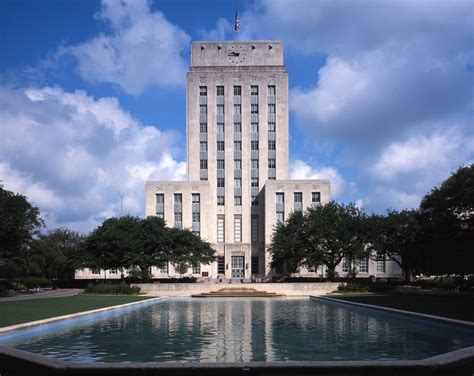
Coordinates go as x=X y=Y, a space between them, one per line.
x=301 y=170
x=140 y=49
x=74 y=156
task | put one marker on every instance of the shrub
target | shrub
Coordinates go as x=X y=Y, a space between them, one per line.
x=112 y=289
x=31 y=283
x=352 y=287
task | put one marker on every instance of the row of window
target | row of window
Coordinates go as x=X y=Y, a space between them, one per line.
x=178 y=198
x=237 y=164
x=237 y=90
x=362 y=265
x=298 y=197
x=237 y=145
x=237 y=228
x=238 y=127
x=237 y=109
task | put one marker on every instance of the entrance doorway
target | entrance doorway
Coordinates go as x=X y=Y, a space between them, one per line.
x=237 y=263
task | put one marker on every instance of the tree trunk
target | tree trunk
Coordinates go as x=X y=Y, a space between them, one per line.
x=331 y=272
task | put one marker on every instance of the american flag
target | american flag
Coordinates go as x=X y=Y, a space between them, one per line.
x=236 y=22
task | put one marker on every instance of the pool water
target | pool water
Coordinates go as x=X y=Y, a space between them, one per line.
x=243 y=330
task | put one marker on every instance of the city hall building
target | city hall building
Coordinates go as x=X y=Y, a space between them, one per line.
x=237 y=185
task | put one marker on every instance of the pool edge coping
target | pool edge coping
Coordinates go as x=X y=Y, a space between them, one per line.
x=395 y=310
x=49 y=320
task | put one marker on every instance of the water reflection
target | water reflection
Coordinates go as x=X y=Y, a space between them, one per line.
x=236 y=330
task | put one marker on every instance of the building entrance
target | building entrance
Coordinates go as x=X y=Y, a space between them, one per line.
x=237 y=263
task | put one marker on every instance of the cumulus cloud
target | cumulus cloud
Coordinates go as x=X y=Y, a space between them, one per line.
x=74 y=156
x=140 y=49
x=301 y=170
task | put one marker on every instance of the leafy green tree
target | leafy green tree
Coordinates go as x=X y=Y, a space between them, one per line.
x=287 y=247
x=395 y=236
x=20 y=223
x=447 y=225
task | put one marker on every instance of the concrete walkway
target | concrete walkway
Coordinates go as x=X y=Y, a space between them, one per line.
x=59 y=293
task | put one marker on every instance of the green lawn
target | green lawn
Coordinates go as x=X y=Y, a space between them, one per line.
x=459 y=306
x=12 y=313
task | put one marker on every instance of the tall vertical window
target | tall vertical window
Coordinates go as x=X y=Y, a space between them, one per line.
x=196 y=217
x=298 y=196
x=237 y=90
x=203 y=164
x=237 y=164
x=196 y=198
x=220 y=109
x=380 y=264
x=254 y=164
x=271 y=126
x=237 y=109
x=271 y=145
x=220 y=200
x=363 y=265
x=254 y=108
x=220 y=229
x=254 y=127
x=254 y=145
x=271 y=163
x=220 y=127
x=280 y=198
x=220 y=145
x=220 y=182
x=178 y=198
x=203 y=91
x=271 y=90
x=316 y=197
x=253 y=90
x=237 y=127
x=254 y=227
x=203 y=145
x=238 y=228
x=203 y=127
x=271 y=108
x=254 y=200
x=178 y=218
x=280 y=216
x=254 y=182
x=160 y=198
x=220 y=164
x=160 y=207
x=238 y=200
x=237 y=182
x=220 y=90
x=197 y=269
x=237 y=145
x=203 y=109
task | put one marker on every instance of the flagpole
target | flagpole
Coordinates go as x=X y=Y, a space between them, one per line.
x=236 y=24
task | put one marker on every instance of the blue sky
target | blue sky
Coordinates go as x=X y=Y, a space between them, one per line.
x=92 y=96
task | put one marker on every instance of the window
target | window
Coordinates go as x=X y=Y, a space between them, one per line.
x=237 y=164
x=220 y=145
x=220 y=182
x=203 y=164
x=254 y=227
x=220 y=164
x=220 y=109
x=271 y=90
x=160 y=198
x=197 y=269
x=203 y=145
x=271 y=145
x=254 y=108
x=237 y=90
x=271 y=108
x=237 y=109
x=316 y=197
x=280 y=198
x=203 y=127
x=312 y=268
x=254 y=127
x=220 y=90
x=254 y=164
x=254 y=183
x=237 y=183
x=113 y=271
x=253 y=90
x=220 y=127
x=220 y=265
x=280 y=216
x=203 y=109
x=254 y=200
x=298 y=196
x=196 y=217
x=237 y=127
x=363 y=265
x=203 y=91
x=271 y=163
x=220 y=229
x=196 y=198
x=164 y=269
x=346 y=265
x=160 y=215
x=237 y=145
x=178 y=198
x=271 y=127
x=380 y=264
x=95 y=271
x=238 y=200
x=255 y=265
x=178 y=217
x=254 y=145
x=220 y=200
x=237 y=228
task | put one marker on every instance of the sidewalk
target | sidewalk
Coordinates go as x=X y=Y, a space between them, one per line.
x=59 y=293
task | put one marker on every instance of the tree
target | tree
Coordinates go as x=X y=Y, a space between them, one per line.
x=447 y=225
x=20 y=222
x=395 y=237
x=287 y=245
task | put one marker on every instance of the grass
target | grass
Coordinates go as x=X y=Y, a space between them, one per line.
x=18 y=312
x=455 y=306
